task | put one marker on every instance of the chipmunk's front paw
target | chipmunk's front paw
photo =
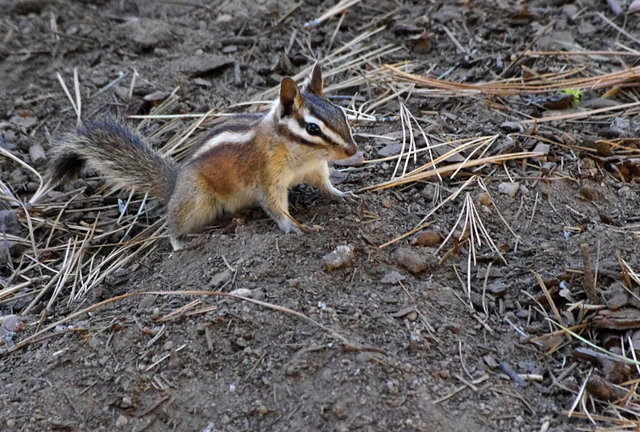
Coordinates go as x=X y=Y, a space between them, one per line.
x=351 y=197
x=337 y=194
x=346 y=196
x=289 y=227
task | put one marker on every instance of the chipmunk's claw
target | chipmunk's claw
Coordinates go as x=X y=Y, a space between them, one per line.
x=351 y=197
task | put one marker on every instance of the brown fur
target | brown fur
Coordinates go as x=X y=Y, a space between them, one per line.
x=223 y=175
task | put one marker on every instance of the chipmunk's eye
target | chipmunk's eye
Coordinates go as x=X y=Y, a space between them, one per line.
x=313 y=129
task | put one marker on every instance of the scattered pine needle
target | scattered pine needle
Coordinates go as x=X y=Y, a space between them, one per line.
x=512 y=87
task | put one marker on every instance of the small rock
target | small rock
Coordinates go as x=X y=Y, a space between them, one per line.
x=393 y=277
x=490 y=361
x=625 y=126
x=429 y=238
x=541 y=148
x=198 y=64
x=9 y=223
x=587 y=193
x=224 y=19
x=570 y=10
x=202 y=82
x=156 y=96
x=444 y=373
x=616 y=296
x=616 y=372
x=24 y=121
x=484 y=199
x=603 y=389
x=220 y=278
x=508 y=188
x=230 y=49
x=342 y=256
x=9 y=326
x=414 y=261
x=121 y=421
x=410 y=313
x=509 y=127
x=402 y=27
x=148 y=33
x=36 y=153
x=390 y=150
x=242 y=292
x=422 y=43
x=497 y=288
x=7 y=140
x=118 y=277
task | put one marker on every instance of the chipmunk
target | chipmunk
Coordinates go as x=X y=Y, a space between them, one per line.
x=245 y=160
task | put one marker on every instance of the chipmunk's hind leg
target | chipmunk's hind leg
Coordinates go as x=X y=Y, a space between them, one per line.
x=189 y=210
x=276 y=204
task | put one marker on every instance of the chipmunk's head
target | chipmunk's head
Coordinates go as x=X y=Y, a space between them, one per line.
x=308 y=118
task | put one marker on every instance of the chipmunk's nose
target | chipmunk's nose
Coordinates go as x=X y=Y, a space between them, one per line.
x=351 y=149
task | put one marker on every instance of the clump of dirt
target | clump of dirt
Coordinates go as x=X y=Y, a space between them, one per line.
x=354 y=325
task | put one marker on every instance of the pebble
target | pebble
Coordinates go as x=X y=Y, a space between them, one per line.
x=148 y=33
x=508 y=188
x=36 y=153
x=428 y=238
x=497 y=288
x=121 y=421
x=390 y=150
x=198 y=64
x=25 y=122
x=342 y=256
x=570 y=10
x=224 y=19
x=393 y=277
x=242 y=292
x=509 y=126
x=220 y=278
x=156 y=96
x=9 y=223
x=414 y=261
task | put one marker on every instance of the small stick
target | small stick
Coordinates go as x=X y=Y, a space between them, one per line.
x=507 y=369
x=620 y=29
x=34 y=337
x=454 y=40
x=337 y=9
x=624 y=270
x=549 y=298
x=581 y=114
x=589 y=283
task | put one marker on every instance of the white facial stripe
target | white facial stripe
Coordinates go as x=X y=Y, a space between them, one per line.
x=224 y=137
x=294 y=127
x=308 y=118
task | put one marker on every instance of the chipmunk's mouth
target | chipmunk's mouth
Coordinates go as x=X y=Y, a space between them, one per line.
x=351 y=150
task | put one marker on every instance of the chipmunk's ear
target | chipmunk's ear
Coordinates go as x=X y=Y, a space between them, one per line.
x=290 y=98
x=313 y=84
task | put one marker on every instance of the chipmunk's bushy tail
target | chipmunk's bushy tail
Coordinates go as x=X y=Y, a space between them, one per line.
x=117 y=153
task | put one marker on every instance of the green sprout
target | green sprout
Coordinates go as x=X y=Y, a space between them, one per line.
x=576 y=93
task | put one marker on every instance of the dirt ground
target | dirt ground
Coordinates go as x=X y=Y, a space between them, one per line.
x=391 y=340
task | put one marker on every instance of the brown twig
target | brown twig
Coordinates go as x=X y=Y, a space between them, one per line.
x=589 y=282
